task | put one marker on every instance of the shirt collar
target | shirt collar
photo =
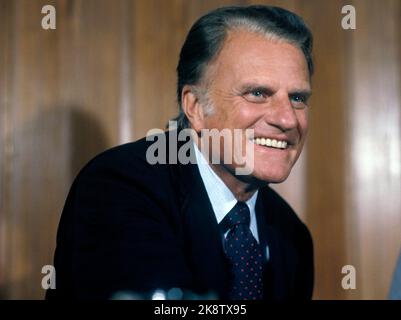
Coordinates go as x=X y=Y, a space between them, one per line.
x=220 y=196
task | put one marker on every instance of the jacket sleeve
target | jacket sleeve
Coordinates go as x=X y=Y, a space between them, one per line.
x=115 y=235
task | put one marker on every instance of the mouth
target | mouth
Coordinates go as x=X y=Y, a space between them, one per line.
x=271 y=143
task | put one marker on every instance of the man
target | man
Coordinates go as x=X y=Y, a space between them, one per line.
x=132 y=226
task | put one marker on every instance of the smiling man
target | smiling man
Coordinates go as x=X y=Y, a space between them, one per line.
x=132 y=226
x=261 y=83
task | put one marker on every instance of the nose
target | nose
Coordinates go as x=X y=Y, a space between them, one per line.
x=281 y=113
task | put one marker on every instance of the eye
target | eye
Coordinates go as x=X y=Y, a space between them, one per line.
x=299 y=101
x=298 y=98
x=256 y=95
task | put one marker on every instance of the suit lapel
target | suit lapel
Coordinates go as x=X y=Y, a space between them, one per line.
x=202 y=236
x=277 y=269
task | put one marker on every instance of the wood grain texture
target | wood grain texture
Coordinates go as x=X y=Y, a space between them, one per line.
x=106 y=76
x=374 y=180
x=6 y=61
x=326 y=148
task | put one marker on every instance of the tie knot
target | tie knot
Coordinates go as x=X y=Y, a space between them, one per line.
x=237 y=215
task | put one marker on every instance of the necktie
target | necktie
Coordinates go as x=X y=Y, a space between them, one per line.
x=244 y=255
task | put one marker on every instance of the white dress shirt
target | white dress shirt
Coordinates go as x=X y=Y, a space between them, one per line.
x=221 y=197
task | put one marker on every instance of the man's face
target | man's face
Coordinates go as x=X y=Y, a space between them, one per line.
x=261 y=84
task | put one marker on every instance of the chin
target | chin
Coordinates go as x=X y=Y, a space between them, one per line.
x=272 y=177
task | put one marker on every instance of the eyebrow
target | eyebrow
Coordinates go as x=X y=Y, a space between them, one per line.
x=256 y=86
x=304 y=92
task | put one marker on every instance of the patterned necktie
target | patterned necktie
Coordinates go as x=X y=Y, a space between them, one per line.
x=244 y=255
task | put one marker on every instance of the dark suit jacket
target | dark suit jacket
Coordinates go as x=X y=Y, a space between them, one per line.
x=129 y=225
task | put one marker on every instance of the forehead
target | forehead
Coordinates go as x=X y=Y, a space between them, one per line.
x=247 y=56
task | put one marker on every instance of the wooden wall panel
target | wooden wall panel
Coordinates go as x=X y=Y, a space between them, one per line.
x=5 y=83
x=106 y=76
x=63 y=109
x=326 y=149
x=374 y=180
x=156 y=56
x=156 y=52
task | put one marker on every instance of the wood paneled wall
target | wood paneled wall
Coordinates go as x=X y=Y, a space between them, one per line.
x=374 y=165
x=106 y=75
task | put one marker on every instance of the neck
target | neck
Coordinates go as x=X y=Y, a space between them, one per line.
x=242 y=190
x=243 y=187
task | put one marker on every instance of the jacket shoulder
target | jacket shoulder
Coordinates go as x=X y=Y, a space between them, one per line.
x=281 y=214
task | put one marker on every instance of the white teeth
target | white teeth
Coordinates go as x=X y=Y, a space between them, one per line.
x=270 y=143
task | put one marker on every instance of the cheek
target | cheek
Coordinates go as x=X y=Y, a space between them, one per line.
x=215 y=120
x=302 y=116
x=247 y=114
x=223 y=117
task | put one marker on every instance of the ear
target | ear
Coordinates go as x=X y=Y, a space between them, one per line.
x=192 y=108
